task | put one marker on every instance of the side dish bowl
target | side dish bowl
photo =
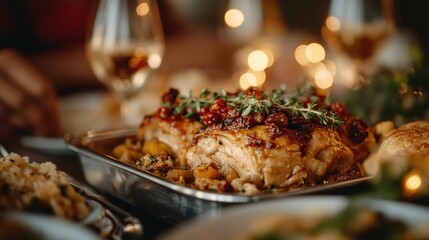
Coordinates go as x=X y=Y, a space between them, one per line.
x=240 y=222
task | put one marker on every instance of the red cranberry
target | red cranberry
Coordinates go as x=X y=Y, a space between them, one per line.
x=203 y=111
x=229 y=113
x=217 y=105
x=165 y=112
x=233 y=113
x=211 y=118
x=339 y=109
x=242 y=122
x=357 y=130
x=176 y=117
x=224 y=113
x=280 y=119
x=254 y=91
x=259 y=117
x=170 y=96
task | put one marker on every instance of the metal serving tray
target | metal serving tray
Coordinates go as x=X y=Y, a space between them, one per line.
x=169 y=201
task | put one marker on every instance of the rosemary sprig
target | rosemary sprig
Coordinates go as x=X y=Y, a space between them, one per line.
x=265 y=102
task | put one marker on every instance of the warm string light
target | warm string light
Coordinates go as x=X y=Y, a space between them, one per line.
x=312 y=58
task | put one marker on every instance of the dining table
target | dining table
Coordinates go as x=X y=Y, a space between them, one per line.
x=153 y=226
x=85 y=111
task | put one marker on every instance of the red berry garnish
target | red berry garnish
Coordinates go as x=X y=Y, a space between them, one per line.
x=357 y=130
x=255 y=91
x=233 y=113
x=259 y=117
x=280 y=119
x=211 y=118
x=339 y=109
x=170 y=96
x=165 y=112
x=176 y=117
x=224 y=113
x=217 y=105
x=203 y=111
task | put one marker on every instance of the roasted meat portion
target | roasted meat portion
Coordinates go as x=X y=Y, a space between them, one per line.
x=176 y=134
x=282 y=161
x=252 y=141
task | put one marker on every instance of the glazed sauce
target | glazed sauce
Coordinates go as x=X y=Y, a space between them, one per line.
x=280 y=122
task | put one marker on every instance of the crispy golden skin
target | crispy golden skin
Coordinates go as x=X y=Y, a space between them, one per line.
x=268 y=161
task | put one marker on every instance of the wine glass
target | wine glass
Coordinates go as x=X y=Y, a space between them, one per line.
x=357 y=29
x=125 y=45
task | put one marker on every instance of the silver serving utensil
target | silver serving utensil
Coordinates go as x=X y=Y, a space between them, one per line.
x=123 y=225
x=3 y=151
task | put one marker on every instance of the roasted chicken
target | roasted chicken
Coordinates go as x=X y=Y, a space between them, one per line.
x=176 y=134
x=271 y=145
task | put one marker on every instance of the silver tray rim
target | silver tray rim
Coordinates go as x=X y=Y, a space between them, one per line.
x=77 y=141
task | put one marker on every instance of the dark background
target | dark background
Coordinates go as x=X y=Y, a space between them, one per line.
x=36 y=25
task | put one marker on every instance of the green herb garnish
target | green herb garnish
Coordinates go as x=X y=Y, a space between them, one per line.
x=264 y=102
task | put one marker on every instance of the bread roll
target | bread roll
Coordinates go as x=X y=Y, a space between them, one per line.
x=409 y=141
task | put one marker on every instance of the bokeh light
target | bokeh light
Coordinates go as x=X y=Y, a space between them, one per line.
x=258 y=60
x=314 y=68
x=315 y=53
x=234 y=18
x=312 y=58
x=154 y=61
x=413 y=182
x=333 y=24
x=330 y=66
x=270 y=56
x=300 y=56
x=247 y=80
x=323 y=79
x=142 y=9
x=252 y=79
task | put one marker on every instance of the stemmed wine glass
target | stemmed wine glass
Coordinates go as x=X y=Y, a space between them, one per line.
x=125 y=46
x=357 y=29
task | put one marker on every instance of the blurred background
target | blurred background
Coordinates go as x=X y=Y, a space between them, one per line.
x=262 y=44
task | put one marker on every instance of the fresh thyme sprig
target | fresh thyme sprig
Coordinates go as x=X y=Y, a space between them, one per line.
x=262 y=102
x=310 y=111
x=191 y=105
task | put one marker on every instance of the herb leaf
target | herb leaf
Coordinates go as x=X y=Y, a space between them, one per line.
x=266 y=102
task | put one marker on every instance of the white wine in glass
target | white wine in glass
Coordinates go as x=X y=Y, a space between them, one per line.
x=358 y=29
x=125 y=44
